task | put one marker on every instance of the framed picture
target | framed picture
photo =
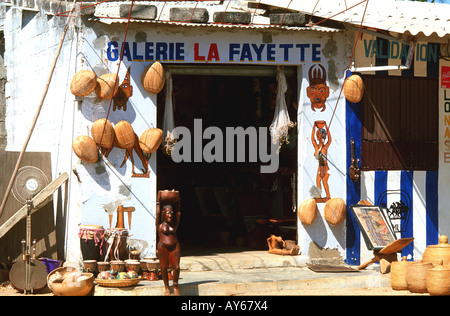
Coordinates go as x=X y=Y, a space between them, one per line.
x=374 y=225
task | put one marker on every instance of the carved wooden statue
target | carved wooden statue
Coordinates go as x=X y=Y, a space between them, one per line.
x=168 y=249
x=278 y=246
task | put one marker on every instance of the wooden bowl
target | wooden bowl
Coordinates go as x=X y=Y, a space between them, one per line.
x=69 y=281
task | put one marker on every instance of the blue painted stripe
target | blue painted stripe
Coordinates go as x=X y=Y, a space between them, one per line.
x=432 y=216
x=406 y=187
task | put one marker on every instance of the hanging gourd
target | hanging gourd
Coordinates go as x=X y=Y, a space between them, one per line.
x=150 y=140
x=334 y=211
x=102 y=132
x=152 y=79
x=353 y=88
x=85 y=149
x=307 y=212
x=83 y=83
x=107 y=86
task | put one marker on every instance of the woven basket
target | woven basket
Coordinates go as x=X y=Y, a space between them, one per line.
x=85 y=148
x=334 y=211
x=107 y=86
x=83 y=83
x=102 y=132
x=441 y=251
x=398 y=274
x=416 y=276
x=150 y=140
x=152 y=79
x=353 y=88
x=438 y=279
x=118 y=283
x=307 y=211
x=125 y=135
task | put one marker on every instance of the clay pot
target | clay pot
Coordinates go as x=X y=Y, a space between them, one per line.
x=434 y=253
x=102 y=132
x=398 y=274
x=353 y=88
x=416 y=276
x=85 y=148
x=150 y=140
x=334 y=211
x=103 y=266
x=107 y=86
x=125 y=135
x=152 y=78
x=118 y=265
x=438 y=279
x=83 y=83
x=307 y=211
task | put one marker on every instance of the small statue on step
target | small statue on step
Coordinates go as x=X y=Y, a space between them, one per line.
x=168 y=249
x=278 y=246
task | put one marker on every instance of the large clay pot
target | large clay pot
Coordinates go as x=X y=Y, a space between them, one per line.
x=85 y=148
x=150 y=140
x=438 y=279
x=107 y=86
x=334 y=211
x=416 y=276
x=83 y=83
x=102 y=132
x=152 y=78
x=307 y=211
x=353 y=88
x=434 y=253
x=398 y=274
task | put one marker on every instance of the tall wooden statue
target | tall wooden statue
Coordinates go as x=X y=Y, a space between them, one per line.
x=168 y=249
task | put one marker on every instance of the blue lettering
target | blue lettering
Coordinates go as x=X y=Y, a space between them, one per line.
x=258 y=51
x=302 y=51
x=161 y=51
x=286 y=48
x=246 y=52
x=179 y=51
x=270 y=52
x=316 y=52
x=126 y=51
x=149 y=51
x=234 y=50
x=112 y=52
x=135 y=52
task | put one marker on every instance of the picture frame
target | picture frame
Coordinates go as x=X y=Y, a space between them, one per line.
x=374 y=225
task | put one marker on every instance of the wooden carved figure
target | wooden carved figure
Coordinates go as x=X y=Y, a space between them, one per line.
x=168 y=248
x=321 y=139
x=318 y=90
x=124 y=92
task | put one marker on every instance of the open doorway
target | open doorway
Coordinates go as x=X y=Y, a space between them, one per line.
x=230 y=205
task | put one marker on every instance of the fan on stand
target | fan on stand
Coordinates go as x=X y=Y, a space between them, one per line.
x=28 y=274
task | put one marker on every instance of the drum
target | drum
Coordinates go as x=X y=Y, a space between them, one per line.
x=116 y=242
x=91 y=242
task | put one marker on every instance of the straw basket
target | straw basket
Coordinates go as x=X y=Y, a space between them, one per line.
x=438 y=279
x=441 y=251
x=83 y=83
x=416 y=276
x=68 y=281
x=334 y=211
x=398 y=274
x=107 y=86
x=125 y=135
x=85 y=149
x=307 y=211
x=152 y=78
x=118 y=283
x=353 y=88
x=102 y=132
x=150 y=140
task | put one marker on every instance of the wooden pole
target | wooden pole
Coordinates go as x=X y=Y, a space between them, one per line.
x=19 y=160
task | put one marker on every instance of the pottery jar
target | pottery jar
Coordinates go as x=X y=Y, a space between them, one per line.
x=416 y=276
x=398 y=274
x=434 y=253
x=438 y=279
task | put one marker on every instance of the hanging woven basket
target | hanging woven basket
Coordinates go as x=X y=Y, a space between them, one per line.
x=353 y=88
x=334 y=211
x=85 y=148
x=83 y=83
x=150 y=140
x=152 y=79
x=102 y=132
x=307 y=211
x=107 y=86
x=125 y=135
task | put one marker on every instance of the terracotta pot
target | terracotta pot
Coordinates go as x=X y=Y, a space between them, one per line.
x=334 y=211
x=83 y=83
x=85 y=148
x=152 y=78
x=438 y=279
x=107 y=86
x=102 y=132
x=307 y=211
x=353 y=88
x=441 y=251
x=416 y=276
x=150 y=140
x=398 y=274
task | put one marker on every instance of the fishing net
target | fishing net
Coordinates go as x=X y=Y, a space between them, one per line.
x=170 y=137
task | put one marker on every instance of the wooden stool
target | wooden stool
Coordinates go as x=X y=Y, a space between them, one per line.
x=387 y=254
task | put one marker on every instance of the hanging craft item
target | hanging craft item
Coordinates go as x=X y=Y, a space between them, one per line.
x=150 y=140
x=124 y=92
x=307 y=212
x=126 y=138
x=169 y=125
x=83 y=83
x=281 y=123
x=353 y=88
x=152 y=78
x=334 y=211
x=107 y=86
x=102 y=132
x=85 y=149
